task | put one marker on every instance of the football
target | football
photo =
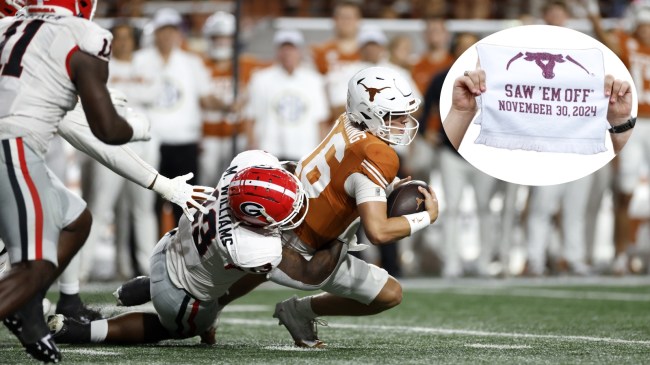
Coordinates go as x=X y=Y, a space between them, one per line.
x=406 y=199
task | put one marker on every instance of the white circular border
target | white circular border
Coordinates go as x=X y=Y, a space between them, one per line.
x=530 y=167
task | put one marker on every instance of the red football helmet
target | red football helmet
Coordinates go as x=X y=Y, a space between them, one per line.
x=268 y=197
x=10 y=7
x=80 y=8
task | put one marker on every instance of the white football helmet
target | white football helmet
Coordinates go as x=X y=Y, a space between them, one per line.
x=10 y=7
x=380 y=99
x=81 y=8
x=219 y=24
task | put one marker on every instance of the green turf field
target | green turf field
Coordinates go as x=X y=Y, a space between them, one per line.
x=557 y=321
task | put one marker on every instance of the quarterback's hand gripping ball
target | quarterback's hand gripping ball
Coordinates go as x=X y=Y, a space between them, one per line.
x=407 y=199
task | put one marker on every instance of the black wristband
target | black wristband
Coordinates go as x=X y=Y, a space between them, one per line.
x=623 y=127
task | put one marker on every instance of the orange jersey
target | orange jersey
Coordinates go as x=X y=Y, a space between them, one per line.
x=346 y=150
x=637 y=59
x=327 y=56
x=424 y=70
x=218 y=124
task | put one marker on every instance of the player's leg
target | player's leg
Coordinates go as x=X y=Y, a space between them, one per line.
x=544 y=202
x=484 y=188
x=356 y=289
x=629 y=162
x=128 y=328
x=574 y=206
x=34 y=205
x=453 y=172
x=141 y=203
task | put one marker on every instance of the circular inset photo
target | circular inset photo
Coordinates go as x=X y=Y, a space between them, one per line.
x=545 y=115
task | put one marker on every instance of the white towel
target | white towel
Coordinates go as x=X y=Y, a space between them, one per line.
x=546 y=100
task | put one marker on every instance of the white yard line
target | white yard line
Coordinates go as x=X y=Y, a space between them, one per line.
x=547 y=293
x=496 y=346
x=447 y=331
x=90 y=352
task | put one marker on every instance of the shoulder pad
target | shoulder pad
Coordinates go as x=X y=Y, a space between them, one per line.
x=91 y=38
x=255 y=250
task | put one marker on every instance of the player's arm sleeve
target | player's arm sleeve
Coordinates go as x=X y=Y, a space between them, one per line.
x=363 y=190
x=120 y=159
x=380 y=164
x=96 y=41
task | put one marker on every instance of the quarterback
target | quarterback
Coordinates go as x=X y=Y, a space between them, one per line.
x=195 y=264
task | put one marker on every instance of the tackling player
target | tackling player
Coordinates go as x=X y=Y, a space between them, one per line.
x=195 y=264
x=49 y=57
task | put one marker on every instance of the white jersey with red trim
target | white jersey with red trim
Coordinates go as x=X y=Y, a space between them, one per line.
x=35 y=82
x=207 y=256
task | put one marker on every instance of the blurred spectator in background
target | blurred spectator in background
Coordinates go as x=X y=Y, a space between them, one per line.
x=456 y=175
x=400 y=50
x=436 y=57
x=106 y=187
x=176 y=114
x=333 y=57
x=472 y=9
x=221 y=124
x=556 y=12
x=634 y=51
x=545 y=202
x=287 y=107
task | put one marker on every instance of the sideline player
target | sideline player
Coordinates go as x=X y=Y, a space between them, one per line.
x=196 y=263
x=49 y=57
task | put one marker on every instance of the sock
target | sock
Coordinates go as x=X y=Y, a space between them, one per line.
x=303 y=305
x=98 y=330
x=69 y=279
x=69 y=300
x=69 y=288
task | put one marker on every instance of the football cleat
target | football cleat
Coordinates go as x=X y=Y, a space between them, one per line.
x=44 y=350
x=79 y=312
x=134 y=292
x=68 y=330
x=15 y=325
x=303 y=329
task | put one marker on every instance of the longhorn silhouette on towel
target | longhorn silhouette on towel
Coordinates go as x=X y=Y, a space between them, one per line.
x=546 y=61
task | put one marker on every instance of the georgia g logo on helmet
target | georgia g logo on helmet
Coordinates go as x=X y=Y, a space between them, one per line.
x=252 y=209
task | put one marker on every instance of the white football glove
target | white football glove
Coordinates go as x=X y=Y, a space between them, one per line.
x=140 y=125
x=138 y=121
x=120 y=101
x=179 y=192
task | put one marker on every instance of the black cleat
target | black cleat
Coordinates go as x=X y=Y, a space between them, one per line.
x=15 y=325
x=134 y=292
x=68 y=330
x=79 y=312
x=44 y=350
